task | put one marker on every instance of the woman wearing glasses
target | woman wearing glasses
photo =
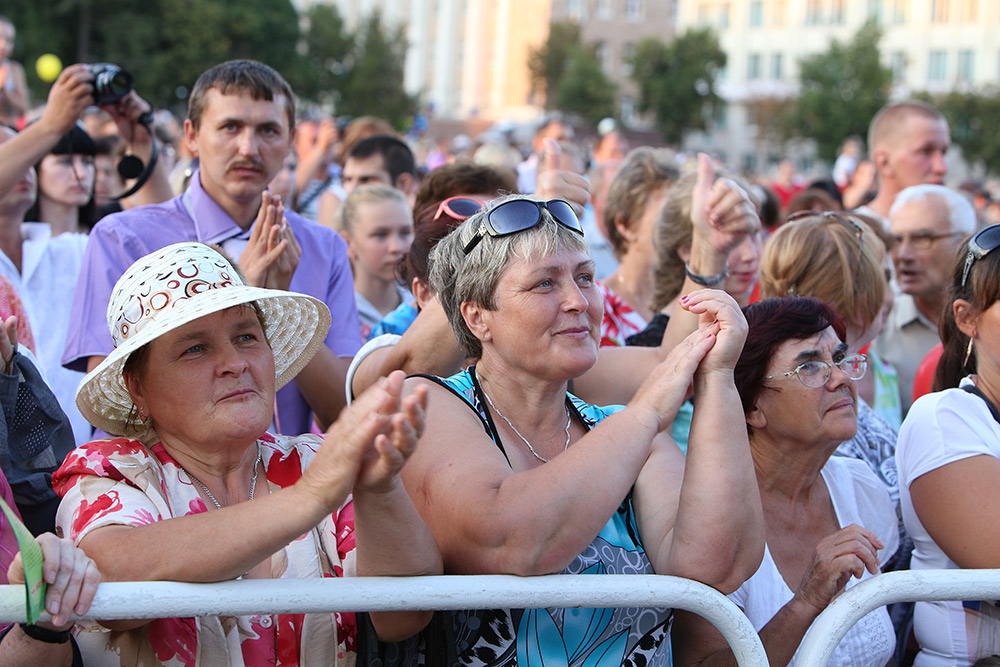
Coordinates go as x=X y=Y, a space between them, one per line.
x=949 y=463
x=828 y=520
x=515 y=475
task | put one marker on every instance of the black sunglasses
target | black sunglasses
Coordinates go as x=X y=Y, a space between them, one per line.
x=983 y=243
x=518 y=215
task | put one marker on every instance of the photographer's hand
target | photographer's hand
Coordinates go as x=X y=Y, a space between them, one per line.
x=72 y=92
x=126 y=113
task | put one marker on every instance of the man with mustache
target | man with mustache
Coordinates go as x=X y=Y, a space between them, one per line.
x=241 y=125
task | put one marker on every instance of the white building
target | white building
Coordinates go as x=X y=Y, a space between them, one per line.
x=467 y=58
x=932 y=45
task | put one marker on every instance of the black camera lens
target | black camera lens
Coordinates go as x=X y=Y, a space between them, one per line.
x=111 y=83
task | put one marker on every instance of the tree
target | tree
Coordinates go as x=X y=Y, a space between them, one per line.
x=373 y=83
x=164 y=44
x=677 y=81
x=547 y=64
x=969 y=114
x=327 y=46
x=840 y=90
x=584 y=89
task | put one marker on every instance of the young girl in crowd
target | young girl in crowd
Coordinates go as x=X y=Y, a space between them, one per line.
x=378 y=228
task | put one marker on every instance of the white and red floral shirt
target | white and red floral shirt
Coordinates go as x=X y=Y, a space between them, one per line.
x=620 y=321
x=123 y=482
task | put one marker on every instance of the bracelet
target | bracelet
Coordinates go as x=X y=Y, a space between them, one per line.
x=707 y=281
x=45 y=635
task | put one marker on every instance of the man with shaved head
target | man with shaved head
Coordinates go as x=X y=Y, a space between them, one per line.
x=907 y=142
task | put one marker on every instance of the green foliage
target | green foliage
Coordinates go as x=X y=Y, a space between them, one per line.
x=548 y=63
x=677 y=81
x=584 y=89
x=166 y=44
x=841 y=89
x=969 y=114
x=327 y=46
x=373 y=83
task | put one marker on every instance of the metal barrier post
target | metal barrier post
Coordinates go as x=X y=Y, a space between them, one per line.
x=829 y=628
x=122 y=600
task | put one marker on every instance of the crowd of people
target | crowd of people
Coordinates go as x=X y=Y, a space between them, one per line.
x=300 y=350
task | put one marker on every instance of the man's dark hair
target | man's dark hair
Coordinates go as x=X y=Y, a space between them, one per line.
x=235 y=77
x=396 y=155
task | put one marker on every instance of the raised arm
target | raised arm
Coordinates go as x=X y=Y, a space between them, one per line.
x=234 y=539
x=72 y=92
x=489 y=519
x=708 y=525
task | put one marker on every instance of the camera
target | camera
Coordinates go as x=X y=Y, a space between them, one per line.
x=111 y=83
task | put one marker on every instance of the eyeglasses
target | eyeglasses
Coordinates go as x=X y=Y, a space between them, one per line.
x=459 y=208
x=831 y=216
x=816 y=373
x=518 y=215
x=921 y=240
x=983 y=243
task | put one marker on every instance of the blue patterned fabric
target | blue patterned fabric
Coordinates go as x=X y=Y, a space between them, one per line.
x=563 y=637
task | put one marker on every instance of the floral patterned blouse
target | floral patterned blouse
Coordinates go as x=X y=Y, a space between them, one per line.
x=123 y=482
x=620 y=321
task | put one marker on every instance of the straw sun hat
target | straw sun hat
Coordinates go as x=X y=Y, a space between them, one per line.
x=176 y=285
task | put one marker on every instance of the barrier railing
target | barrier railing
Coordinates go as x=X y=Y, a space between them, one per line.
x=915 y=585
x=160 y=599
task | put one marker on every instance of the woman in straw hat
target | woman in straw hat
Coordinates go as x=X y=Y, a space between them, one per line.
x=196 y=489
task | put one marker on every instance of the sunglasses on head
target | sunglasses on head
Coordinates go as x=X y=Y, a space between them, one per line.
x=518 y=215
x=831 y=216
x=459 y=208
x=983 y=243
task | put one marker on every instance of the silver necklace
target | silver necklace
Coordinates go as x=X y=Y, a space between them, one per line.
x=253 y=480
x=569 y=421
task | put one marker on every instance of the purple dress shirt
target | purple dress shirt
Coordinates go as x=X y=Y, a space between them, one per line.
x=118 y=240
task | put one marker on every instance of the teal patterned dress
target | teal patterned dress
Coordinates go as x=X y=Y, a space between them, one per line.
x=544 y=637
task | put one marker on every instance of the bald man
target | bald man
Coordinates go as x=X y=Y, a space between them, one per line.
x=907 y=142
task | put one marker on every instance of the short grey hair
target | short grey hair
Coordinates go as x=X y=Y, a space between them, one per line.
x=961 y=214
x=458 y=278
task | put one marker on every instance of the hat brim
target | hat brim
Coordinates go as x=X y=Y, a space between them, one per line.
x=295 y=326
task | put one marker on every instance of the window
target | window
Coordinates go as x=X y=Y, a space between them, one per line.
x=897 y=63
x=720 y=115
x=603 y=55
x=900 y=9
x=574 y=9
x=838 y=13
x=603 y=9
x=875 y=10
x=814 y=12
x=628 y=55
x=724 y=15
x=780 y=11
x=753 y=66
x=968 y=11
x=937 y=66
x=633 y=10
x=628 y=111
x=966 y=65
x=702 y=14
x=757 y=13
x=939 y=11
x=777 y=66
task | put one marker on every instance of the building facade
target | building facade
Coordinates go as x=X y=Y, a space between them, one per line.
x=930 y=45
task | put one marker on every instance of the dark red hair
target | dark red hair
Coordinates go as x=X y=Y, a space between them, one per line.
x=772 y=322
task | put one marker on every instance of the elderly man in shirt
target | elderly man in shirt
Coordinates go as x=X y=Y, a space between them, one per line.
x=928 y=223
x=240 y=124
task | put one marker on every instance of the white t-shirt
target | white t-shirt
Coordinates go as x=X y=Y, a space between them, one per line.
x=941 y=428
x=858 y=497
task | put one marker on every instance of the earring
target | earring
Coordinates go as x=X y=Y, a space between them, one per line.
x=142 y=415
x=968 y=353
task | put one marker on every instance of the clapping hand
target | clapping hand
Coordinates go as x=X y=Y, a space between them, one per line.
x=272 y=253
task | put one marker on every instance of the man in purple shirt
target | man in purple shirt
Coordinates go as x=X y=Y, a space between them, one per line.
x=240 y=124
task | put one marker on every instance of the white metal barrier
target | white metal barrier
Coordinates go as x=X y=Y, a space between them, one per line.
x=169 y=599
x=914 y=585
